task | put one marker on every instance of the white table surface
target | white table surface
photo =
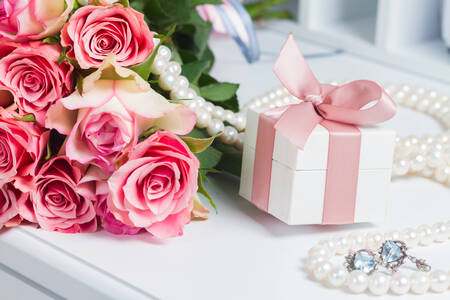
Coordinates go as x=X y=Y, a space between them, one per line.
x=240 y=253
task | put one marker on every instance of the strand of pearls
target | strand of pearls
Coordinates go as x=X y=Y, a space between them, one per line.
x=209 y=116
x=379 y=283
x=428 y=156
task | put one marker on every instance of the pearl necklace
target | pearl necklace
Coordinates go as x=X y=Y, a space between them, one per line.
x=428 y=156
x=378 y=283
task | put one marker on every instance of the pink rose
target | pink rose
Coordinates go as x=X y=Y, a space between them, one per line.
x=22 y=20
x=25 y=208
x=107 y=119
x=22 y=146
x=155 y=188
x=9 y=196
x=57 y=201
x=96 y=178
x=95 y=31
x=31 y=72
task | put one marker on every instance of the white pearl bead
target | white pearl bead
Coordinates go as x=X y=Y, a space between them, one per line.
x=434 y=108
x=181 y=82
x=209 y=107
x=410 y=237
x=159 y=66
x=337 y=276
x=426 y=235
x=392 y=235
x=357 y=240
x=190 y=94
x=322 y=270
x=441 y=231
x=174 y=68
x=357 y=282
x=342 y=245
x=434 y=158
x=427 y=139
x=442 y=173
x=313 y=261
x=215 y=126
x=427 y=172
x=229 y=116
x=420 y=282
x=229 y=135
x=239 y=144
x=164 y=53
x=439 y=281
x=319 y=251
x=199 y=101
x=167 y=81
x=400 y=167
x=411 y=101
x=190 y=104
x=374 y=240
x=330 y=244
x=203 y=118
x=379 y=283
x=240 y=121
x=400 y=284
x=179 y=93
x=417 y=163
x=423 y=105
x=219 y=112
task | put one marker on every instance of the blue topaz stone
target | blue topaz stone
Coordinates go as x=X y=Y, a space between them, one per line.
x=391 y=252
x=363 y=260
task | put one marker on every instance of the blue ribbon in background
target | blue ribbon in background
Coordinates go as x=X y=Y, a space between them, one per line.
x=251 y=51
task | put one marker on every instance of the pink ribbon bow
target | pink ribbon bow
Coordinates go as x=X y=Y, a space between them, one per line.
x=341 y=104
x=338 y=109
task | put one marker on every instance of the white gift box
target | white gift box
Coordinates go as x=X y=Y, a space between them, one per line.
x=298 y=177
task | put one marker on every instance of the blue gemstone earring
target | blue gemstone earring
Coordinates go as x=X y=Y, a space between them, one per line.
x=391 y=255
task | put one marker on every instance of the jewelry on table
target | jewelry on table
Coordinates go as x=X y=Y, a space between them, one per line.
x=391 y=255
x=363 y=263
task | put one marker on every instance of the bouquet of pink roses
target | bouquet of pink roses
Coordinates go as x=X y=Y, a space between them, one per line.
x=85 y=140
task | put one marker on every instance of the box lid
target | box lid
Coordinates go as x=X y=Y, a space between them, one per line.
x=377 y=146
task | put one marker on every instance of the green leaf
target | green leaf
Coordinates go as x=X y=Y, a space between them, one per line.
x=231 y=104
x=193 y=70
x=125 y=3
x=198 y=145
x=51 y=40
x=219 y=91
x=206 y=79
x=209 y=158
x=231 y=160
x=202 y=190
x=26 y=118
x=175 y=8
x=195 y=3
x=49 y=152
x=148 y=133
x=80 y=84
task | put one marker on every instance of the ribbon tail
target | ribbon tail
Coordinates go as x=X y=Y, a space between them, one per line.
x=294 y=72
x=297 y=123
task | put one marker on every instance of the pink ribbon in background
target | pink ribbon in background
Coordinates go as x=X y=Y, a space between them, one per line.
x=338 y=109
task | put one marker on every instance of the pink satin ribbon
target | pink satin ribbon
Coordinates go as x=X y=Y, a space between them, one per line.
x=338 y=109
